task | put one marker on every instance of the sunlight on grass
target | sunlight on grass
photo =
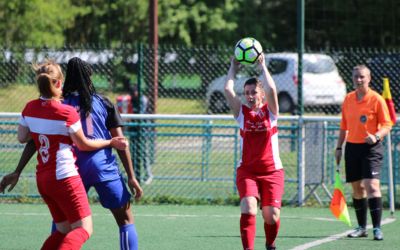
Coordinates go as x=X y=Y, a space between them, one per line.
x=180 y=106
x=14 y=97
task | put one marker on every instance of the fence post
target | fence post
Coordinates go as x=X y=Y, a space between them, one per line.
x=301 y=162
x=205 y=157
x=390 y=173
x=235 y=158
x=140 y=73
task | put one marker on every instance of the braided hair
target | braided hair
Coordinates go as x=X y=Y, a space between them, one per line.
x=78 y=80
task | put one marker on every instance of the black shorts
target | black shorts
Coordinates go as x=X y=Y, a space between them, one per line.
x=363 y=161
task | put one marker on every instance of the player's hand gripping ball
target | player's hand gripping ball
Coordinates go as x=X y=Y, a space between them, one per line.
x=247 y=50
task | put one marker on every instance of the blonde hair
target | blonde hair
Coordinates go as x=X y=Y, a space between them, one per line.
x=362 y=67
x=47 y=74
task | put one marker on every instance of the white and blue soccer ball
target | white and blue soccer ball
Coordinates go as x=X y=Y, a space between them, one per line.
x=247 y=50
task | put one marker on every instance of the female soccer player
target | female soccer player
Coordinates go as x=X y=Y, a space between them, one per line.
x=53 y=127
x=100 y=120
x=260 y=176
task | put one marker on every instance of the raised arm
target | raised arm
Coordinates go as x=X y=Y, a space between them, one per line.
x=269 y=87
x=125 y=156
x=233 y=100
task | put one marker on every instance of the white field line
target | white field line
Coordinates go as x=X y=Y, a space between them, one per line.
x=335 y=237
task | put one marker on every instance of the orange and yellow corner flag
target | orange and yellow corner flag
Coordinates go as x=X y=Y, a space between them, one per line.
x=338 y=203
x=388 y=99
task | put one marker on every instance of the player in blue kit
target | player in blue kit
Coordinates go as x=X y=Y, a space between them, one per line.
x=100 y=120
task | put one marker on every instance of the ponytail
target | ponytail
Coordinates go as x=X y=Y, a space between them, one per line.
x=46 y=85
x=47 y=75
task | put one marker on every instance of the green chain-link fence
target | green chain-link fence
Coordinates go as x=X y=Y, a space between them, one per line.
x=190 y=80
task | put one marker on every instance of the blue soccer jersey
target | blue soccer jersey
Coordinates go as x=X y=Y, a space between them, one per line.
x=101 y=165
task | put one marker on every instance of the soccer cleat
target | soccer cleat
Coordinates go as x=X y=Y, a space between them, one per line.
x=378 y=235
x=272 y=247
x=358 y=232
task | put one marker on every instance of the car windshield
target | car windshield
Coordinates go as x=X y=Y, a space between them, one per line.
x=318 y=65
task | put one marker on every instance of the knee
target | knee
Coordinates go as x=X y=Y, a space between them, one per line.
x=85 y=223
x=248 y=205
x=271 y=215
x=123 y=215
x=359 y=191
x=89 y=230
x=63 y=227
x=374 y=190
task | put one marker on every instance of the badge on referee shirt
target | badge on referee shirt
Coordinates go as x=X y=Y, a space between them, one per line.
x=363 y=119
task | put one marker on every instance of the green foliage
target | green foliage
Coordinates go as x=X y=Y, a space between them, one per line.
x=196 y=22
x=109 y=22
x=36 y=22
x=200 y=22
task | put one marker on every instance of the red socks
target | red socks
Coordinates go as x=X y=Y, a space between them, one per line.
x=248 y=230
x=271 y=231
x=74 y=239
x=53 y=241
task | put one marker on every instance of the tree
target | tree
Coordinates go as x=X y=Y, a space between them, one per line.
x=109 y=22
x=36 y=22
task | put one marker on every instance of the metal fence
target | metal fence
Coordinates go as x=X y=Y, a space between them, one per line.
x=195 y=156
x=189 y=80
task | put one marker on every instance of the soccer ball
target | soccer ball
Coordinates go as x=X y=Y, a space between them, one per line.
x=247 y=50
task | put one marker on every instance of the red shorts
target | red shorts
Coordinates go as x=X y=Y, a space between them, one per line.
x=267 y=188
x=66 y=198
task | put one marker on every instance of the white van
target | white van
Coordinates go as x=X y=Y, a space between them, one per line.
x=323 y=87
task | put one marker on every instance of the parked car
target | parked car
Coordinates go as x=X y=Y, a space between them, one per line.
x=323 y=87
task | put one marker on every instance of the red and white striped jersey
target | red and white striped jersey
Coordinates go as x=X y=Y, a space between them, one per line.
x=259 y=140
x=50 y=124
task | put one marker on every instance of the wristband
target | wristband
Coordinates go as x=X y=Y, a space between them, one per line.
x=338 y=148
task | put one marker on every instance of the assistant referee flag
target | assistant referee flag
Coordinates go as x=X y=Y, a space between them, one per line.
x=388 y=99
x=338 y=203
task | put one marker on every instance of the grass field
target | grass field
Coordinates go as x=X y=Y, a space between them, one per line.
x=25 y=226
x=24 y=93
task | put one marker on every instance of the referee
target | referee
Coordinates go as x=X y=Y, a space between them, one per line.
x=365 y=121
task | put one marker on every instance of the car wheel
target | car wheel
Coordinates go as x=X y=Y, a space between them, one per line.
x=218 y=104
x=285 y=103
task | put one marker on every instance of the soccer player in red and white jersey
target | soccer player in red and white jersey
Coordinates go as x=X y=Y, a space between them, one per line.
x=260 y=176
x=99 y=169
x=54 y=127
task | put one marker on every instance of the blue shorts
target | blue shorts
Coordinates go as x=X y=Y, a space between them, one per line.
x=112 y=194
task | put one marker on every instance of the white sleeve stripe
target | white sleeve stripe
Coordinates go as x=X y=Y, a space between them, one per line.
x=75 y=127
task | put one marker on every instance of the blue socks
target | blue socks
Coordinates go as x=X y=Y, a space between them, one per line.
x=128 y=238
